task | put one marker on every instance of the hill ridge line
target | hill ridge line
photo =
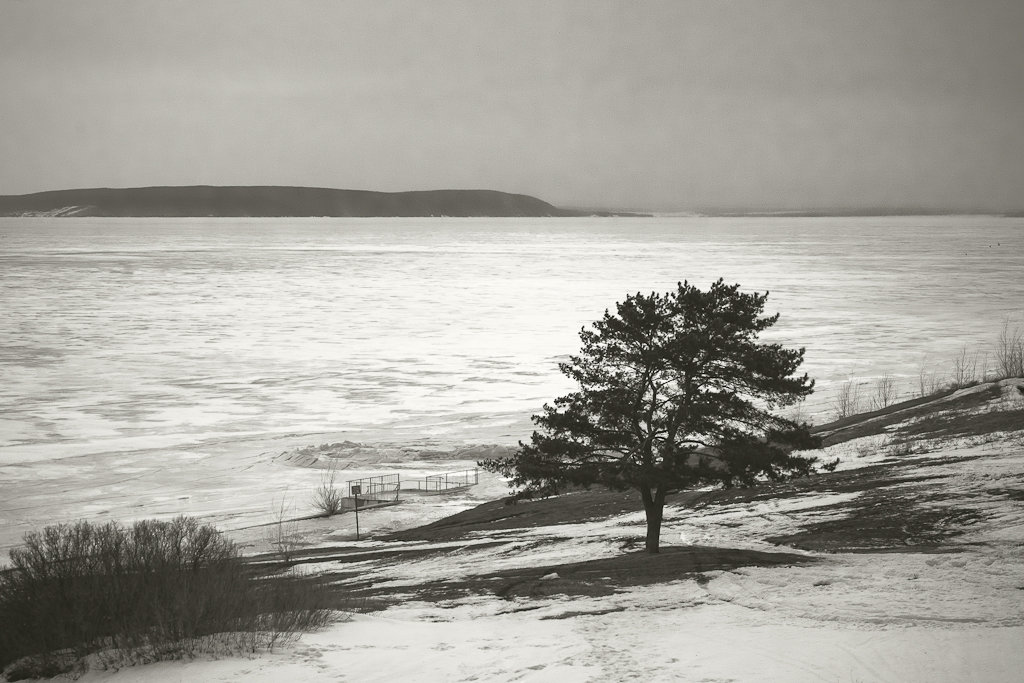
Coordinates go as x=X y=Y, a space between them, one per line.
x=277 y=201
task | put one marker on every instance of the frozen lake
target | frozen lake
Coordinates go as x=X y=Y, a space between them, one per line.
x=129 y=334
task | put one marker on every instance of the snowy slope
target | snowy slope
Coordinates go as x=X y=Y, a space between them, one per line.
x=905 y=565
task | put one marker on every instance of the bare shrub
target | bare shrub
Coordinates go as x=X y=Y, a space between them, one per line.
x=1010 y=352
x=327 y=497
x=929 y=382
x=282 y=534
x=155 y=590
x=884 y=392
x=965 y=368
x=847 y=400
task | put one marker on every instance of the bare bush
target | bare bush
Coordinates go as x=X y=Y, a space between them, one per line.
x=327 y=497
x=847 y=400
x=884 y=392
x=156 y=590
x=929 y=382
x=1010 y=352
x=282 y=534
x=965 y=368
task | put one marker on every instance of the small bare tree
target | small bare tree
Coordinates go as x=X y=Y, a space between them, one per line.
x=928 y=381
x=283 y=532
x=965 y=368
x=847 y=400
x=1010 y=351
x=885 y=392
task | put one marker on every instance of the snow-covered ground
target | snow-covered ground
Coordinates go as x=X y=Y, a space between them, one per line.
x=659 y=638
x=945 y=611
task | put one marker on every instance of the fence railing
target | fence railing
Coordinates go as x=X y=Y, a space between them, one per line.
x=382 y=488
x=443 y=482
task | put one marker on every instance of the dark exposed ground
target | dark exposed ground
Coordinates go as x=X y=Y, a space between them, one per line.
x=595 y=577
x=895 y=511
x=501 y=514
x=924 y=409
x=887 y=518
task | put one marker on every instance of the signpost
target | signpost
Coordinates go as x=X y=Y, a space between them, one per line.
x=356 y=490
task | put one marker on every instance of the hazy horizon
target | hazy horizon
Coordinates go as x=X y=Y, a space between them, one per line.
x=662 y=106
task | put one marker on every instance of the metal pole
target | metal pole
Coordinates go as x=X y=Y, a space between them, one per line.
x=357 y=516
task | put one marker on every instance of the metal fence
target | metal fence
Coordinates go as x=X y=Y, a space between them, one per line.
x=443 y=482
x=382 y=489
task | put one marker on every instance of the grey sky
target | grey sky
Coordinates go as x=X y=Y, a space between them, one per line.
x=753 y=104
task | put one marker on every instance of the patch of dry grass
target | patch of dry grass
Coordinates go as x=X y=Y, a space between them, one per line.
x=119 y=595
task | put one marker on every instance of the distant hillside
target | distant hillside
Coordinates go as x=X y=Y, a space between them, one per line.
x=206 y=200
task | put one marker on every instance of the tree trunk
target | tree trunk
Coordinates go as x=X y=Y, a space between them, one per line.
x=654 y=506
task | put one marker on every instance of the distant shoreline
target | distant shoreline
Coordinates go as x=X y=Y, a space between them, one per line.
x=205 y=201
x=275 y=201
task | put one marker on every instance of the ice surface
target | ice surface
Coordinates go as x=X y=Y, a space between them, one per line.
x=177 y=330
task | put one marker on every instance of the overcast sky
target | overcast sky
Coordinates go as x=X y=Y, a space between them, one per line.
x=753 y=104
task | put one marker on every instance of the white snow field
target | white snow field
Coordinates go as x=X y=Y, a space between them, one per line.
x=931 y=589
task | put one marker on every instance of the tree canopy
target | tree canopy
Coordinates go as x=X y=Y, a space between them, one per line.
x=675 y=391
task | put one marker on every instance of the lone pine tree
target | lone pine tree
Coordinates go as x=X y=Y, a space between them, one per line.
x=674 y=392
